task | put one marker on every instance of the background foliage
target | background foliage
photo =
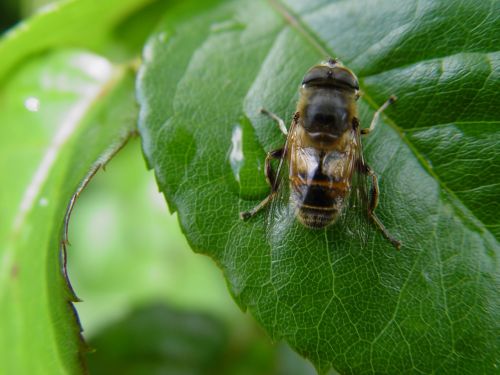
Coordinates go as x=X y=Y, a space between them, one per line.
x=67 y=102
x=359 y=307
x=127 y=258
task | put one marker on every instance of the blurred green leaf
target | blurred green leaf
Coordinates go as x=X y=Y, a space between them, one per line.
x=29 y=7
x=159 y=339
x=112 y=28
x=361 y=308
x=59 y=115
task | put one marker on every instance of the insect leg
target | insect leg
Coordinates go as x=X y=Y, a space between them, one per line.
x=376 y=116
x=270 y=177
x=275 y=117
x=271 y=180
x=374 y=193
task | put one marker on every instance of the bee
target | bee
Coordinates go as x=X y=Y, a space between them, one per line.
x=323 y=150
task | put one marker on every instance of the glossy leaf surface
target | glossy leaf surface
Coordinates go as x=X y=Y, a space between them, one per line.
x=108 y=27
x=60 y=113
x=361 y=308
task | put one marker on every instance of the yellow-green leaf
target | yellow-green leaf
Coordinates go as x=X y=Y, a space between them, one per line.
x=59 y=114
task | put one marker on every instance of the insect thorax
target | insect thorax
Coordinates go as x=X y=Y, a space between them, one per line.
x=326 y=110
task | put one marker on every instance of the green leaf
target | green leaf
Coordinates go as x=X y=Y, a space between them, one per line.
x=128 y=276
x=359 y=307
x=160 y=339
x=107 y=243
x=60 y=113
x=109 y=27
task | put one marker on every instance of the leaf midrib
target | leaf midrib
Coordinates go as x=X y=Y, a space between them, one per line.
x=296 y=23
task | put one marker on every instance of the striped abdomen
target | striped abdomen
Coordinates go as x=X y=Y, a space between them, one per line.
x=318 y=205
x=320 y=181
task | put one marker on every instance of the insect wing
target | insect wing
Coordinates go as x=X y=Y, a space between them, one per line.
x=354 y=218
x=282 y=213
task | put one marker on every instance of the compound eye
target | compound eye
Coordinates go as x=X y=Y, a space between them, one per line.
x=331 y=76
x=318 y=73
x=345 y=77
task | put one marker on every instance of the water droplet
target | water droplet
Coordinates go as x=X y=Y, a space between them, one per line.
x=32 y=104
x=44 y=202
x=246 y=158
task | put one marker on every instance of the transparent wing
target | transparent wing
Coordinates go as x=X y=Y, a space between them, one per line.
x=353 y=223
x=282 y=212
x=354 y=219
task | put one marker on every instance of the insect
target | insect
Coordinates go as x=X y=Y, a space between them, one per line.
x=323 y=150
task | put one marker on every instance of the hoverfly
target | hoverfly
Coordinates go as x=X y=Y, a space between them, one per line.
x=323 y=150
